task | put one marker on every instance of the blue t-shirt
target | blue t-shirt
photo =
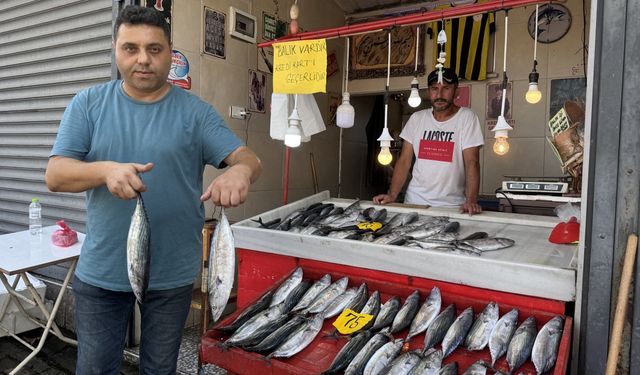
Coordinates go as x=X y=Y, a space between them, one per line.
x=180 y=134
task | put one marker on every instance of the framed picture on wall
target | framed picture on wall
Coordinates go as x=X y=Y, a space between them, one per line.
x=494 y=101
x=214 y=33
x=368 y=54
x=257 y=91
x=463 y=99
x=566 y=89
x=162 y=6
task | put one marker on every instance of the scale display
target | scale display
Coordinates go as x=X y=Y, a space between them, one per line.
x=535 y=187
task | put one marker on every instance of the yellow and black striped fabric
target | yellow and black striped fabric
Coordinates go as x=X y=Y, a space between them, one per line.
x=467 y=46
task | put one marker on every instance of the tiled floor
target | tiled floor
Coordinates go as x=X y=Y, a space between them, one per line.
x=188 y=356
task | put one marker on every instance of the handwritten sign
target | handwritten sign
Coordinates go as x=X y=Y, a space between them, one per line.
x=350 y=321
x=300 y=67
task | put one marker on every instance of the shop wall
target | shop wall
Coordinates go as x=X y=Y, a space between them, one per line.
x=225 y=82
x=530 y=153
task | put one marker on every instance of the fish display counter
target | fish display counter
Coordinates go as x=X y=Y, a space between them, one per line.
x=488 y=262
x=532 y=266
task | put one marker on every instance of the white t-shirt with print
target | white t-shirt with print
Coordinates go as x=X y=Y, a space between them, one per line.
x=438 y=173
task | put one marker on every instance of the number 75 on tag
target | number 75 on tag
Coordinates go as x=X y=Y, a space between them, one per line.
x=350 y=321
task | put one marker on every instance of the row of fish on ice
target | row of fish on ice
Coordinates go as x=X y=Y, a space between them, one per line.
x=379 y=226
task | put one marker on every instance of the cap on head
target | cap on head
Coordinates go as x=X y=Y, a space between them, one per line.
x=448 y=76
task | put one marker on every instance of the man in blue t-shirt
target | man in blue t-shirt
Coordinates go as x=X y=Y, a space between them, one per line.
x=141 y=134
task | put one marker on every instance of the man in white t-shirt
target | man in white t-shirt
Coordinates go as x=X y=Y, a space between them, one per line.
x=445 y=141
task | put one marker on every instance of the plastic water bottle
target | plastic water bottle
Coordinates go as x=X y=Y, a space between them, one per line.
x=35 y=217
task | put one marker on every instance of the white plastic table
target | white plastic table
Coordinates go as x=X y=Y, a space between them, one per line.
x=21 y=252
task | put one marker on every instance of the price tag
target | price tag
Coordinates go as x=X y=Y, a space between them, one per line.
x=372 y=226
x=350 y=321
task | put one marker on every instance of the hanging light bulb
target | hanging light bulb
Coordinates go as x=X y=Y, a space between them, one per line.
x=414 y=98
x=533 y=94
x=501 y=130
x=293 y=136
x=345 y=114
x=385 y=157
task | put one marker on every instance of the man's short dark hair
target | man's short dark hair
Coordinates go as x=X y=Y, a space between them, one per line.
x=137 y=15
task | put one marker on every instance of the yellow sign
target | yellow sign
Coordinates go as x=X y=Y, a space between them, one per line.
x=372 y=226
x=300 y=67
x=350 y=321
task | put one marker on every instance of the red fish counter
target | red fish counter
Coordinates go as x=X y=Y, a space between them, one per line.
x=530 y=275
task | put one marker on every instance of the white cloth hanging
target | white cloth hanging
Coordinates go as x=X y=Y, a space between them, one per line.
x=310 y=117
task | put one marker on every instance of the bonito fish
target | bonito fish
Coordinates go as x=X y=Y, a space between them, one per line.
x=521 y=343
x=501 y=335
x=427 y=313
x=287 y=286
x=222 y=266
x=480 y=332
x=139 y=250
x=300 y=338
x=545 y=348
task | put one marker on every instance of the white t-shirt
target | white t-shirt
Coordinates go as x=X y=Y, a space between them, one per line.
x=438 y=173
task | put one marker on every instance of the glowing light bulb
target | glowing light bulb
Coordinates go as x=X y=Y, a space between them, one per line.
x=385 y=157
x=293 y=136
x=533 y=95
x=501 y=146
x=414 y=97
x=345 y=114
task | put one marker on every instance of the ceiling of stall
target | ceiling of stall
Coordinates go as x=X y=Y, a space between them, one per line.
x=358 y=6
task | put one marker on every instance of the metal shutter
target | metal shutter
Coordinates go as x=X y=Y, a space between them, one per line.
x=49 y=50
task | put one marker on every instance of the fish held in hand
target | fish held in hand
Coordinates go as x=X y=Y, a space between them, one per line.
x=139 y=250
x=222 y=265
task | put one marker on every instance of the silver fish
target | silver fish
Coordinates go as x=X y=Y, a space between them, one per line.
x=407 y=312
x=339 y=303
x=545 y=348
x=449 y=369
x=387 y=313
x=362 y=295
x=372 y=307
x=348 y=352
x=421 y=233
x=345 y=234
x=296 y=294
x=457 y=332
x=490 y=243
x=139 y=250
x=521 y=343
x=258 y=327
x=501 y=335
x=287 y=286
x=427 y=313
x=313 y=292
x=383 y=357
x=430 y=363
x=222 y=266
x=326 y=296
x=439 y=327
x=300 y=338
x=478 y=368
x=480 y=331
x=261 y=304
x=405 y=363
x=358 y=363
x=277 y=337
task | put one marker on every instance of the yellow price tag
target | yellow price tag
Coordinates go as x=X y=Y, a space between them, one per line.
x=372 y=226
x=350 y=321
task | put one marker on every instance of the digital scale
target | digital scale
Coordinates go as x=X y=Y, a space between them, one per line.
x=536 y=185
